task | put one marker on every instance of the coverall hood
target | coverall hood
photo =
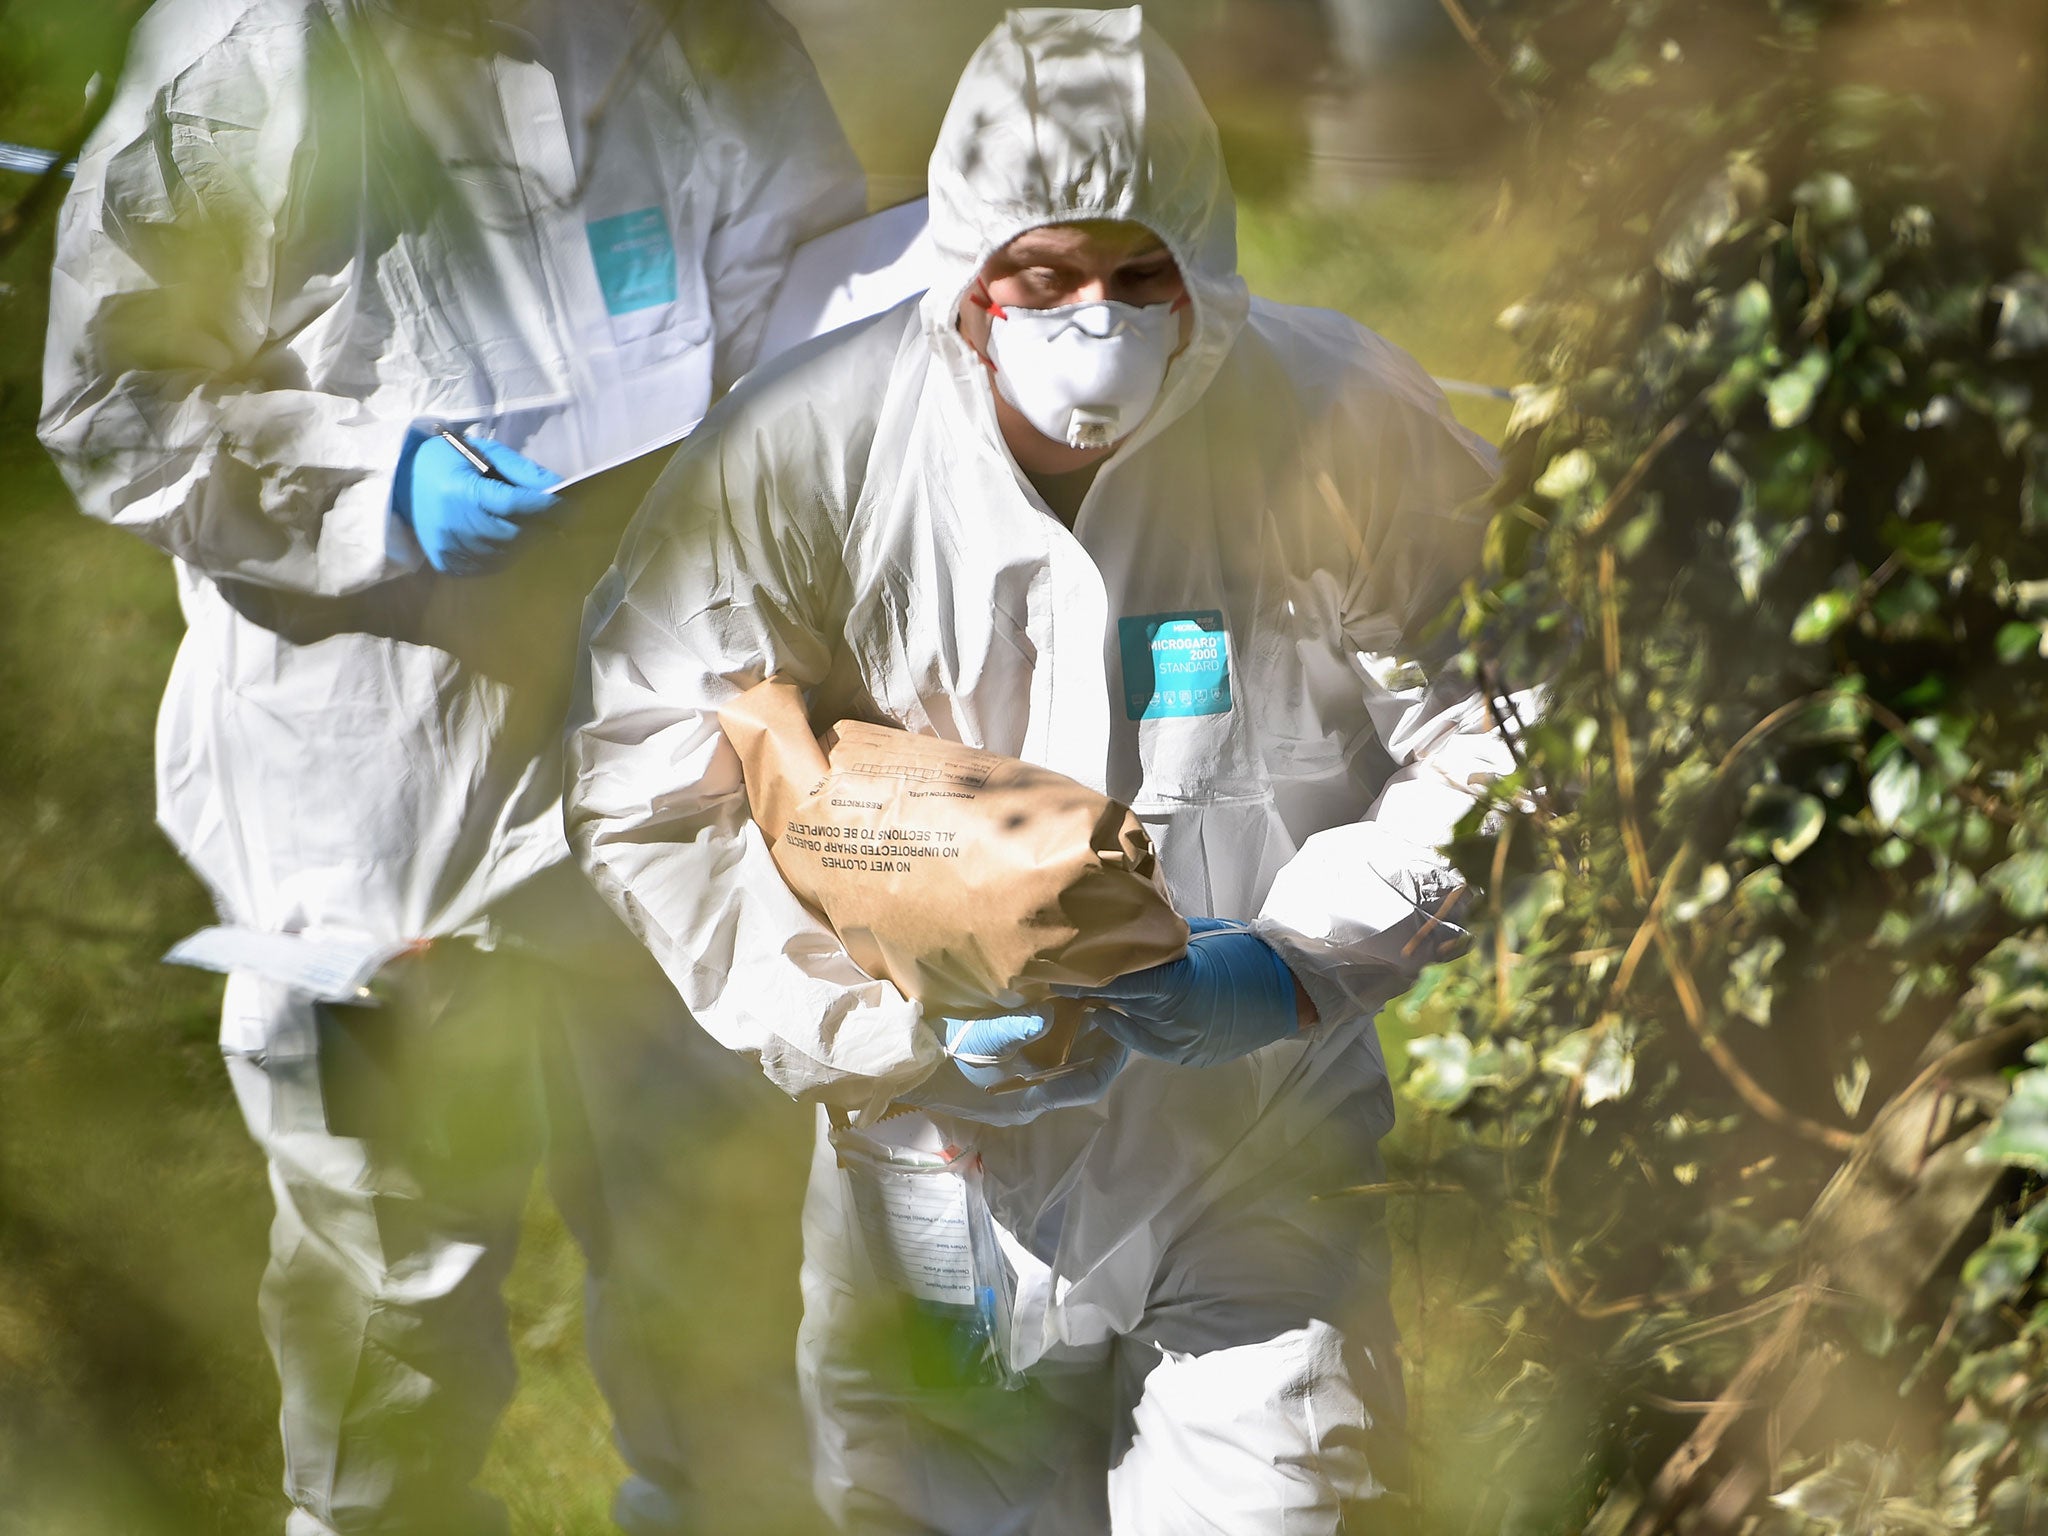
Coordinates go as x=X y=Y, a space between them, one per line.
x=1063 y=116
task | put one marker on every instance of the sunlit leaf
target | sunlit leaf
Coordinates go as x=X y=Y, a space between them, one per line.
x=2022 y=315
x=1803 y=824
x=1568 y=474
x=2017 y=642
x=2000 y=1270
x=2019 y=1136
x=2022 y=882
x=1791 y=394
x=1605 y=1055
x=1748 y=988
x=1713 y=885
x=1854 y=1481
x=1699 y=228
x=1439 y=1071
x=1850 y=1086
x=1894 y=788
x=1829 y=196
x=1824 y=613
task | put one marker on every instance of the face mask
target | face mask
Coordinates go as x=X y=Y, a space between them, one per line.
x=1083 y=374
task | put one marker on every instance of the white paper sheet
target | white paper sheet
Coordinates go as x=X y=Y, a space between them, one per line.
x=915 y=1228
x=329 y=967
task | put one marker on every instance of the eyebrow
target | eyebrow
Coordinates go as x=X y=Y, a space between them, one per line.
x=1024 y=251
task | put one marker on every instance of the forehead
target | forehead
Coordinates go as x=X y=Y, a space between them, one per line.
x=1098 y=240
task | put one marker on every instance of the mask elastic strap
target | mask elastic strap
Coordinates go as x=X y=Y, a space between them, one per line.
x=981 y=298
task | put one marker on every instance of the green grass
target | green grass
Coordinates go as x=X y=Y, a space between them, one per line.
x=135 y=1395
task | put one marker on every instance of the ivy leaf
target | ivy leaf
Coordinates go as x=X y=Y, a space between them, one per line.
x=2022 y=316
x=1823 y=614
x=2022 y=881
x=2013 y=978
x=1747 y=990
x=1713 y=885
x=2018 y=1138
x=1704 y=223
x=1835 y=718
x=2017 y=642
x=1756 y=546
x=1605 y=1054
x=1850 y=1086
x=1568 y=474
x=1791 y=394
x=1439 y=1071
x=1894 y=788
x=1854 y=1481
x=1829 y=196
x=1747 y=319
x=2000 y=1270
x=1536 y=405
x=1803 y=822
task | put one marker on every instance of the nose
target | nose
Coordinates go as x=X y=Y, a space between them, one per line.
x=1093 y=291
x=1098 y=323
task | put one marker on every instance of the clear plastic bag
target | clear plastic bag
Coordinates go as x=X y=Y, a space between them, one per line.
x=924 y=1224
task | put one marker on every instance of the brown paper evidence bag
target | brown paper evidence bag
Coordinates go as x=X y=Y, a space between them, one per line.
x=971 y=881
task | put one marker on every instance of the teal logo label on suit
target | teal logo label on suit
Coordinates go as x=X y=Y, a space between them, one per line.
x=1175 y=664
x=636 y=260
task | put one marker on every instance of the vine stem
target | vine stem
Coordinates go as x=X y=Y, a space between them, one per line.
x=1652 y=929
x=1502 y=1001
x=1750 y=1090
x=1617 y=729
x=1690 y=1003
x=1632 y=477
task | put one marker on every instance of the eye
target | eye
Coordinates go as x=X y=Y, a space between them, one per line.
x=1149 y=280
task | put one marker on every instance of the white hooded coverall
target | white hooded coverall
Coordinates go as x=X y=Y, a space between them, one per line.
x=1208 y=1350
x=302 y=225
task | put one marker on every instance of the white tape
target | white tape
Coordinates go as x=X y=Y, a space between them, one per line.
x=30 y=161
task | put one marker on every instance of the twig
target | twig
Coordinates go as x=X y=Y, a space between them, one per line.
x=1497 y=694
x=1617 y=728
x=1977 y=1045
x=1677 y=1405
x=1502 y=1002
x=1751 y=1091
x=1496 y=72
x=1633 y=477
x=1436 y=920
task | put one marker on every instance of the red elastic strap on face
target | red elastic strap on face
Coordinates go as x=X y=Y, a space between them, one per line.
x=1185 y=301
x=986 y=300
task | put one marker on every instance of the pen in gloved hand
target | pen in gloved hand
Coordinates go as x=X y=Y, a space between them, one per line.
x=475 y=460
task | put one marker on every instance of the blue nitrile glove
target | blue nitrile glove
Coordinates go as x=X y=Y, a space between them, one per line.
x=466 y=522
x=979 y=1056
x=1228 y=995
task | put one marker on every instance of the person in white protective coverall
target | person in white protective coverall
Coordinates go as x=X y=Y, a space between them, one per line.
x=1195 y=565
x=306 y=231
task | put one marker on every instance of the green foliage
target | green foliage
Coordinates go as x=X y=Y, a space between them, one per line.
x=1774 y=543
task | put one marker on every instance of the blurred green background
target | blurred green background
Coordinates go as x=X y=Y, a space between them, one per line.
x=135 y=1394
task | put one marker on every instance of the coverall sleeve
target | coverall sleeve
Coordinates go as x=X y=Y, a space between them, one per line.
x=1349 y=911
x=786 y=170
x=731 y=573
x=173 y=403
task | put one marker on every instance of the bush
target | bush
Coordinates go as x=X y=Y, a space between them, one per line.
x=1772 y=876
